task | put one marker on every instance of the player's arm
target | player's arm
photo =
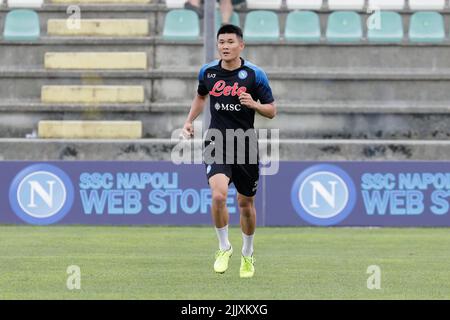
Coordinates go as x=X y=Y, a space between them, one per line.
x=268 y=110
x=197 y=107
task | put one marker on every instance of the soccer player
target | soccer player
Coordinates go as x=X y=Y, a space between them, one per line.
x=237 y=90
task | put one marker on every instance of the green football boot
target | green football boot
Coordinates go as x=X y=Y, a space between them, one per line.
x=222 y=259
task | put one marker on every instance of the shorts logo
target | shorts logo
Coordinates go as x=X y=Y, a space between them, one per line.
x=255 y=186
x=323 y=195
x=242 y=74
x=41 y=194
x=208 y=169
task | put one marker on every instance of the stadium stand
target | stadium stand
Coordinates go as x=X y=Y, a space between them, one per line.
x=437 y=5
x=345 y=4
x=25 y=3
x=96 y=60
x=90 y=129
x=234 y=19
x=21 y=25
x=100 y=28
x=389 y=28
x=181 y=24
x=102 y=1
x=344 y=26
x=302 y=26
x=387 y=4
x=261 y=25
x=175 y=3
x=92 y=95
x=304 y=4
x=264 y=4
x=377 y=95
x=426 y=27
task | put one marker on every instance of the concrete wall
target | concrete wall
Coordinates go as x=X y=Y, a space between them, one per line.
x=324 y=92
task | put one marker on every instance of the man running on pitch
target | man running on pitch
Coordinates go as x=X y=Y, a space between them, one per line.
x=237 y=89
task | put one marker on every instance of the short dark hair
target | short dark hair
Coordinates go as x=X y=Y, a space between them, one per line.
x=230 y=28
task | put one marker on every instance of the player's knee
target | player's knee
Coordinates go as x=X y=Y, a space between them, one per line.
x=219 y=198
x=246 y=207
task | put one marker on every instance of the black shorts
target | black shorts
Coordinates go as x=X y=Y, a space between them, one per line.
x=244 y=176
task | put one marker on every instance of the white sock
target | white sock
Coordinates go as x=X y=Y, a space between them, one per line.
x=222 y=235
x=247 y=247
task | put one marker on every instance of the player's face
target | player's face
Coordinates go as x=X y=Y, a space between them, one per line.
x=229 y=46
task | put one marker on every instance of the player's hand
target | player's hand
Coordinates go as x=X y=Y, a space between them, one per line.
x=188 y=130
x=247 y=100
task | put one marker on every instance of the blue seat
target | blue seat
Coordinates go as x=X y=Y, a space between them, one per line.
x=389 y=28
x=344 y=26
x=181 y=24
x=261 y=25
x=22 y=25
x=302 y=26
x=426 y=27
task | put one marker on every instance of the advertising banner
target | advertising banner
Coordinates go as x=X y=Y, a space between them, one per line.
x=160 y=192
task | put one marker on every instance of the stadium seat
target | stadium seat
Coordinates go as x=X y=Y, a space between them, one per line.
x=304 y=4
x=89 y=2
x=67 y=129
x=427 y=4
x=302 y=26
x=181 y=24
x=387 y=4
x=21 y=25
x=92 y=94
x=264 y=4
x=346 y=4
x=234 y=19
x=96 y=60
x=100 y=28
x=261 y=25
x=25 y=3
x=426 y=27
x=388 y=29
x=344 y=26
x=175 y=3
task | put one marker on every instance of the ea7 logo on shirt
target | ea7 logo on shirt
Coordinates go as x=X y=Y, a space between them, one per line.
x=211 y=75
x=220 y=88
x=227 y=107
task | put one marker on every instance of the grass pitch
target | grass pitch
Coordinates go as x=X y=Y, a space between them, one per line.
x=176 y=263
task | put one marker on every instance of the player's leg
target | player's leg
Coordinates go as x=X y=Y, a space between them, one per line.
x=245 y=178
x=219 y=211
x=194 y=5
x=247 y=212
x=248 y=220
x=218 y=183
x=226 y=10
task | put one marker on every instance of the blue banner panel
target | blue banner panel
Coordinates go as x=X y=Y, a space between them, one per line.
x=108 y=193
x=300 y=194
x=359 y=194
